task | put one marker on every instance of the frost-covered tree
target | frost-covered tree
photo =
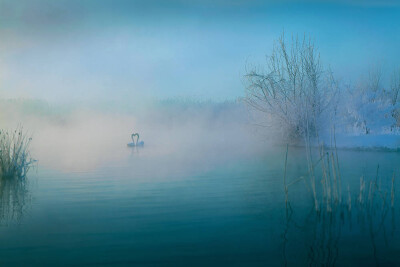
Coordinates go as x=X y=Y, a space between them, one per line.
x=367 y=113
x=293 y=92
x=395 y=97
x=369 y=108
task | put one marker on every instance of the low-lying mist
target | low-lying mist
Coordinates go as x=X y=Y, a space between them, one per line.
x=82 y=138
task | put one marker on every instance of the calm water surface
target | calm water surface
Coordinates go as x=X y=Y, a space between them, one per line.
x=197 y=208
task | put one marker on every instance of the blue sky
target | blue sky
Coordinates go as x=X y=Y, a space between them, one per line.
x=117 y=50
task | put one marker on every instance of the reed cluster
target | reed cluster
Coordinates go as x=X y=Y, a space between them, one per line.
x=15 y=159
x=324 y=181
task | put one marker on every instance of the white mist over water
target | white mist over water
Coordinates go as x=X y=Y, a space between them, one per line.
x=82 y=138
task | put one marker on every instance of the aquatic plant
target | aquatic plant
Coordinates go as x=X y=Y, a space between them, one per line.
x=15 y=159
x=15 y=162
x=327 y=195
x=326 y=167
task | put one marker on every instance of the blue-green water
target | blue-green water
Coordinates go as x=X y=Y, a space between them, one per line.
x=201 y=209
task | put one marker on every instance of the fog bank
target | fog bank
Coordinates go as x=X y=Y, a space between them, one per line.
x=82 y=138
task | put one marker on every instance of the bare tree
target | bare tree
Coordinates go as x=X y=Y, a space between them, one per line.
x=394 y=92
x=294 y=91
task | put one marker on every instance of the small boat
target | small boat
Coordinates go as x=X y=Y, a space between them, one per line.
x=137 y=143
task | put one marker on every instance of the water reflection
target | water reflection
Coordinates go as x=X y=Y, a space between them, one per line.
x=14 y=199
x=328 y=236
x=324 y=248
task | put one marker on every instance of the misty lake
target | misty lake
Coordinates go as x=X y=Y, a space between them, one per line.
x=199 y=133
x=197 y=207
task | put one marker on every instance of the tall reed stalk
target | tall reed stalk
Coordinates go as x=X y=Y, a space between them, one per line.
x=328 y=167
